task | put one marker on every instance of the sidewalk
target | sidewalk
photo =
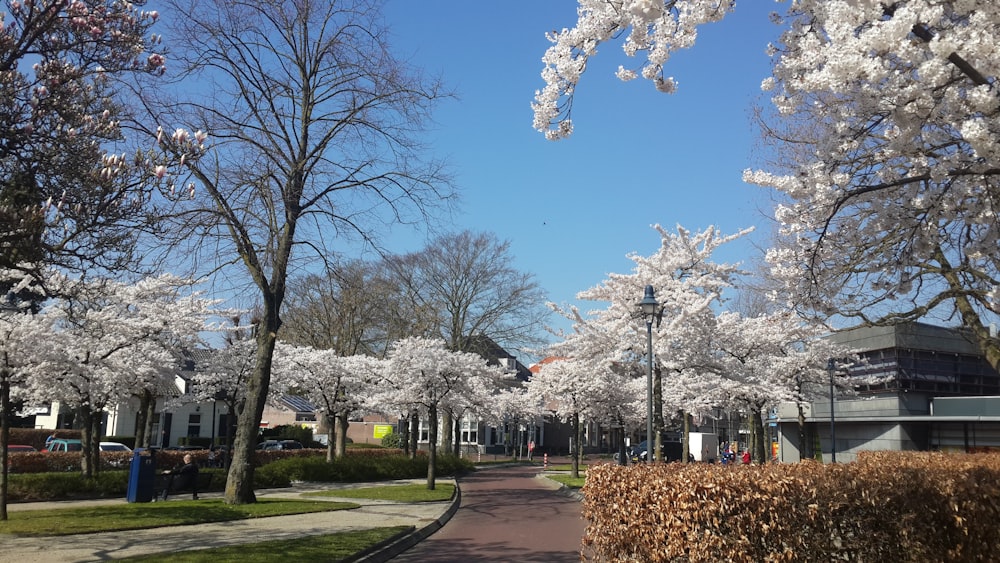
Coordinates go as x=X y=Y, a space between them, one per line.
x=424 y=517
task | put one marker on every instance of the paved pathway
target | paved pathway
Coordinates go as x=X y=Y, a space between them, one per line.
x=425 y=517
x=506 y=514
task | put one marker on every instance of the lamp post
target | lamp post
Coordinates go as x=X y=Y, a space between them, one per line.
x=833 y=428
x=649 y=308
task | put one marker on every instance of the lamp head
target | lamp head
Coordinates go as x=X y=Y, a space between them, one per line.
x=648 y=304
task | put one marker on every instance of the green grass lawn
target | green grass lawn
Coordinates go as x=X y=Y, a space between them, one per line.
x=398 y=493
x=134 y=516
x=568 y=481
x=332 y=547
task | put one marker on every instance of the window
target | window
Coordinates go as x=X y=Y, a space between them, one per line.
x=470 y=430
x=194 y=424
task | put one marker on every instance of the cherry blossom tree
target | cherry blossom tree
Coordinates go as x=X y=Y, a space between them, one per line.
x=512 y=407
x=687 y=284
x=336 y=385
x=424 y=375
x=772 y=358
x=315 y=136
x=18 y=342
x=657 y=28
x=886 y=127
x=573 y=389
x=104 y=339
x=889 y=208
x=221 y=374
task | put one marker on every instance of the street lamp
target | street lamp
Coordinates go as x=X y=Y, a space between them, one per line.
x=650 y=310
x=833 y=428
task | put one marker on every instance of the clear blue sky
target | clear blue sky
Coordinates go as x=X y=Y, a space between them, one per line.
x=572 y=209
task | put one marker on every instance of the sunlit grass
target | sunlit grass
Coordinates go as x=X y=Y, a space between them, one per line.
x=415 y=492
x=134 y=516
x=568 y=481
x=332 y=547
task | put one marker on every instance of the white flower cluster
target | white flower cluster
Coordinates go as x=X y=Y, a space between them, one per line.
x=656 y=27
x=904 y=119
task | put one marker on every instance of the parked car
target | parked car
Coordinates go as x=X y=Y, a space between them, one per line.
x=114 y=447
x=19 y=449
x=279 y=445
x=64 y=445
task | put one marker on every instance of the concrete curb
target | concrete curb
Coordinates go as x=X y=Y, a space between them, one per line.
x=405 y=540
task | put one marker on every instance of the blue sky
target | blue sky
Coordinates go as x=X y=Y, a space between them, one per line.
x=573 y=209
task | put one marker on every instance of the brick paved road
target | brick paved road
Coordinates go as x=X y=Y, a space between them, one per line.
x=506 y=514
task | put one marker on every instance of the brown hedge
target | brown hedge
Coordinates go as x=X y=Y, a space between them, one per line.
x=887 y=506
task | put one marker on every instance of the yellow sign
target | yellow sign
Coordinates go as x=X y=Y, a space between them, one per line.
x=382 y=430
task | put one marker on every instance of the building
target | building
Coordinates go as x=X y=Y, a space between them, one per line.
x=935 y=392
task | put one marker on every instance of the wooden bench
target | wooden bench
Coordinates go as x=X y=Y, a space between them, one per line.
x=166 y=486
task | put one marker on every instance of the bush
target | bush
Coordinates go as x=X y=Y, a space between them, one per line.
x=391 y=441
x=360 y=467
x=887 y=506
x=282 y=468
x=56 y=486
x=33 y=487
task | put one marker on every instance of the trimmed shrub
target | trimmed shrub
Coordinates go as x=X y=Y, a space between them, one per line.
x=887 y=506
x=356 y=468
x=391 y=441
x=55 y=486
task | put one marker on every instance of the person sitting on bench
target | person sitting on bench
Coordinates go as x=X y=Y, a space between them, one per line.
x=181 y=478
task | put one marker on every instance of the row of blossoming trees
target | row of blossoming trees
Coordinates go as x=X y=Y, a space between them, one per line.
x=706 y=358
x=93 y=344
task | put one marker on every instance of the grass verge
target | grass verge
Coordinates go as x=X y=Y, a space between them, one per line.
x=397 y=493
x=568 y=481
x=82 y=520
x=331 y=547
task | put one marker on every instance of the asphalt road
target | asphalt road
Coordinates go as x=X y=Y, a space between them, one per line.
x=506 y=514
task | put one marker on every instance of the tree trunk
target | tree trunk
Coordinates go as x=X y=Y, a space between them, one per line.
x=404 y=434
x=4 y=439
x=971 y=319
x=686 y=439
x=414 y=433
x=759 y=451
x=239 y=485
x=140 y=419
x=446 y=420
x=457 y=436
x=576 y=446
x=804 y=444
x=432 y=434
x=234 y=408
x=147 y=429
x=331 y=422
x=657 y=442
x=341 y=423
x=89 y=442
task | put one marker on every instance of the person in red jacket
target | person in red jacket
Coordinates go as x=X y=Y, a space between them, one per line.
x=746 y=457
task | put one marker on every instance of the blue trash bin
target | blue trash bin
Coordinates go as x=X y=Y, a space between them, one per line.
x=142 y=475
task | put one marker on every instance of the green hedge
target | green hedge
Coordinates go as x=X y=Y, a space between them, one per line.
x=355 y=468
x=364 y=465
